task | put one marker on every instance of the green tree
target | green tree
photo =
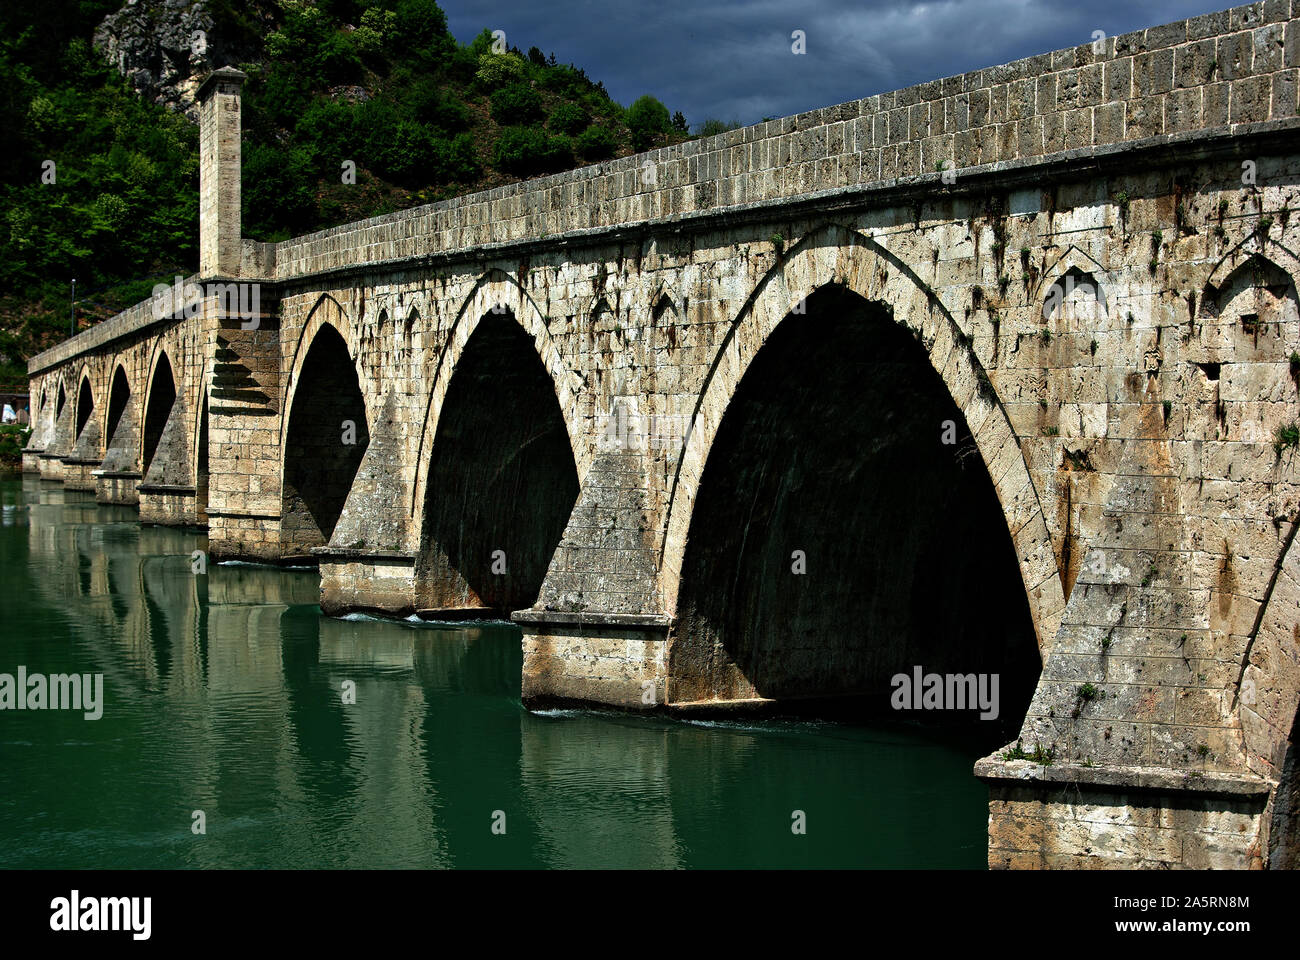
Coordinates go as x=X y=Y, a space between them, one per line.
x=647 y=119
x=517 y=103
x=568 y=118
x=597 y=143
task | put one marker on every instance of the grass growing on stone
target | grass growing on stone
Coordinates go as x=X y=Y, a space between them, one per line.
x=1286 y=436
x=1045 y=757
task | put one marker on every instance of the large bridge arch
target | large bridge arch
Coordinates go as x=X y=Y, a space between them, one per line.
x=498 y=469
x=1267 y=700
x=120 y=395
x=161 y=392
x=326 y=312
x=496 y=288
x=324 y=430
x=86 y=404
x=834 y=255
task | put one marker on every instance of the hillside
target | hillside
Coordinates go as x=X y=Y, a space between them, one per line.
x=100 y=179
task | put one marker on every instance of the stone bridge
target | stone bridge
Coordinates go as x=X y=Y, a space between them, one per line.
x=995 y=374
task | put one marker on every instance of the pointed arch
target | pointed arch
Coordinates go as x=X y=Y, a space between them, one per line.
x=1246 y=270
x=837 y=255
x=119 y=396
x=402 y=333
x=502 y=481
x=662 y=308
x=160 y=397
x=324 y=434
x=600 y=308
x=1252 y=246
x=496 y=288
x=1074 y=274
x=830 y=462
x=85 y=401
x=1076 y=261
x=326 y=312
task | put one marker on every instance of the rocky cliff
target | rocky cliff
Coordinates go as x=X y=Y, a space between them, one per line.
x=166 y=47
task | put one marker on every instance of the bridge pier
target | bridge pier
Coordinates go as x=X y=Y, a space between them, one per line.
x=117 y=488
x=356 y=580
x=619 y=660
x=1067 y=816
x=78 y=474
x=50 y=466
x=170 y=505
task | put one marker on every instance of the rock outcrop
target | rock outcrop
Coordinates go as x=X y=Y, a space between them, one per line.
x=166 y=47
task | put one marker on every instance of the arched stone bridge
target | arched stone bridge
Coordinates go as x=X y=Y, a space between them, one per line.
x=996 y=374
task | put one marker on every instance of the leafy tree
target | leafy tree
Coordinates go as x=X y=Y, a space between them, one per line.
x=419 y=26
x=526 y=151
x=713 y=127
x=123 y=212
x=517 y=103
x=647 y=118
x=597 y=143
x=568 y=118
x=495 y=70
x=427 y=104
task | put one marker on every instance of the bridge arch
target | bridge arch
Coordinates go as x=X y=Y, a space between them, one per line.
x=500 y=477
x=325 y=430
x=1267 y=699
x=160 y=397
x=200 y=451
x=85 y=400
x=119 y=396
x=326 y=312
x=836 y=256
x=496 y=288
x=54 y=412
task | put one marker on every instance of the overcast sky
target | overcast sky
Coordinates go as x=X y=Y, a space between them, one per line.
x=732 y=60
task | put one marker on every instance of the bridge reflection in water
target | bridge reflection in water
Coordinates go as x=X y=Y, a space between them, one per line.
x=225 y=693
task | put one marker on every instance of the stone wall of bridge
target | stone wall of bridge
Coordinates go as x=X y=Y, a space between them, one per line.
x=507 y=404
x=124 y=413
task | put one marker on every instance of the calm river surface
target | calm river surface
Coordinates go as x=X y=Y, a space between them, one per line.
x=222 y=693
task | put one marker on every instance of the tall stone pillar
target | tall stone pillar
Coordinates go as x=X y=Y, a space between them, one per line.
x=241 y=329
x=219 y=172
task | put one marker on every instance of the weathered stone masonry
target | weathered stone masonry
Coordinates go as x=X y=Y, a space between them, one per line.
x=1102 y=282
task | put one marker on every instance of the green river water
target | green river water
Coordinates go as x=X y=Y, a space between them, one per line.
x=223 y=693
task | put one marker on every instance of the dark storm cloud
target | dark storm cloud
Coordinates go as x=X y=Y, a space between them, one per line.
x=732 y=60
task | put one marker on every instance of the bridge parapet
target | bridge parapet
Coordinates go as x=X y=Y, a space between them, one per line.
x=1212 y=75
